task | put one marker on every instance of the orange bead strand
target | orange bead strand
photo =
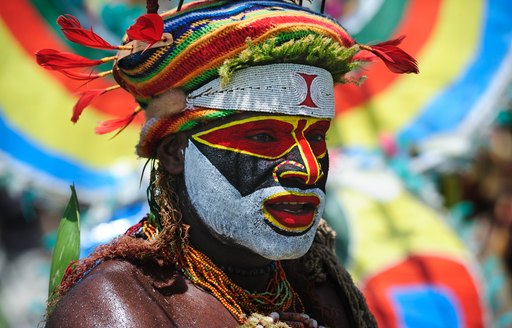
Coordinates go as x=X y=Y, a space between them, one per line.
x=279 y=296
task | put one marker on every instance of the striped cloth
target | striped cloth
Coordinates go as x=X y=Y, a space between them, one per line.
x=207 y=34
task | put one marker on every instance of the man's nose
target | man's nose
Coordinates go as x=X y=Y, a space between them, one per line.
x=300 y=166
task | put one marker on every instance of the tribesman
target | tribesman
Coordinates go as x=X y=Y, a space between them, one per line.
x=238 y=98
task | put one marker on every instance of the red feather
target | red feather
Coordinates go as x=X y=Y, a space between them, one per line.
x=73 y=31
x=86 y=97
x=115 y=124
x=134 y=228
x=363 y=57
x=55 y=60
x=148 y=28
x=68 y=21
x=397 y=60
x=83 y=76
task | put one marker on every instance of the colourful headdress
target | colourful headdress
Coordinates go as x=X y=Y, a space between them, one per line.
x=216 y=57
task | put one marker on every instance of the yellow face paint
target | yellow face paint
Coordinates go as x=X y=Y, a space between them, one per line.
x=279 y=134
x=260 y=180
x=273 y=137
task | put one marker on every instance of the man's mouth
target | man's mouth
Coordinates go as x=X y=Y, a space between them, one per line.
x=292 y=211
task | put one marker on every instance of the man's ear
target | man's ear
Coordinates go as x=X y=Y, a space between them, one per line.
x=170 y=153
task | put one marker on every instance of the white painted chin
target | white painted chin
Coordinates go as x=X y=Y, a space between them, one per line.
x=240 y=220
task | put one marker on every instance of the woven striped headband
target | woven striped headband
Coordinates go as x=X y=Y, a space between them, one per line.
x=207 y=35
x=167 y=57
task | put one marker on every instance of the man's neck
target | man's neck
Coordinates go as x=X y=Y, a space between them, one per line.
x=239 y=264
x=226 y=255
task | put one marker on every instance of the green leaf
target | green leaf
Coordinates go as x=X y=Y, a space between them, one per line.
x=67 y=244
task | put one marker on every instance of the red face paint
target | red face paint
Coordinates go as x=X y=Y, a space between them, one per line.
x=291 y=211
x=268 y=137
x=262 y=152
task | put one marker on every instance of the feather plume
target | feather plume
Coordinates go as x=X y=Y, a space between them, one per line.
x=396 y=60
x=68 y=21
x=86 y=97
x=74 y=32
x=116 y=124
x=148 y=28
x=364 y=57
x=84 y=76
x=55 y=60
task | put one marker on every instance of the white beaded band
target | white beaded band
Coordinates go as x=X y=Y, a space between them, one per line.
x=291 y=89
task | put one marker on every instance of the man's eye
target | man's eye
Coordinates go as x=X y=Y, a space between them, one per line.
x=316 y=137
x=261 y=137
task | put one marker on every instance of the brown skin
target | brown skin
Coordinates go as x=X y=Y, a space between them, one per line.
x=221 y=253
x=120 y=294
x=117 y=293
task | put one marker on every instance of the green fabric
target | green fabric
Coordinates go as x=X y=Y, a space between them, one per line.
x=383 y=25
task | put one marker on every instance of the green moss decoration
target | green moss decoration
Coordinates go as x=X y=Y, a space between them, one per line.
x=312 y=50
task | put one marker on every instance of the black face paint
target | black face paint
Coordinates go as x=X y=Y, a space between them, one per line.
x=259 y=181
x=268 y=151
x=248 y=173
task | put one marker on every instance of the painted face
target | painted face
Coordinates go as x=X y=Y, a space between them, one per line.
x=260 y=181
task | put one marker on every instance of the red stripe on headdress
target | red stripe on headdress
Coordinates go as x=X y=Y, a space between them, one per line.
x=223 y=43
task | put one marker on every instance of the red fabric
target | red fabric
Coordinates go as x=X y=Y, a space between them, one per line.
x=430 y=270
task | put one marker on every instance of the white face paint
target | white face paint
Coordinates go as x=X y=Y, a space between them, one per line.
x=240 y=220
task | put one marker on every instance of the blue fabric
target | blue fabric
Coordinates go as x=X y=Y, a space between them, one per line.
x=415 y=302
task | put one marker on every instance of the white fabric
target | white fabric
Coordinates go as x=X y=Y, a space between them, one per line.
x=286 y=88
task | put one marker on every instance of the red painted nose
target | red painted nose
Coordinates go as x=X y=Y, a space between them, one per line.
x=306 y=167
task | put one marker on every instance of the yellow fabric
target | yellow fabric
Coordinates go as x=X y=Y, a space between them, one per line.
x=40 y=108
x=438 y=67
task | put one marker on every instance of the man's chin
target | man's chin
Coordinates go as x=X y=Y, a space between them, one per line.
x=284 y=247
x=286 y=250
x=279 y=256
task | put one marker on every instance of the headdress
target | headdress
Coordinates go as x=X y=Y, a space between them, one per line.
x=212 y=58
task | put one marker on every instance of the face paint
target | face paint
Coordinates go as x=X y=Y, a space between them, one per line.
x=288 y=148
x=260 y=182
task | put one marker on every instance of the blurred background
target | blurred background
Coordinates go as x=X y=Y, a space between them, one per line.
x=420 y=186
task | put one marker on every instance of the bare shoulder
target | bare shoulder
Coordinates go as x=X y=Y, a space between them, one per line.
x=120 y=294
x=109 y=296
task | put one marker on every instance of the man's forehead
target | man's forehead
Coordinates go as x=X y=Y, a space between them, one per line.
x=284 y=88
x=264 y=119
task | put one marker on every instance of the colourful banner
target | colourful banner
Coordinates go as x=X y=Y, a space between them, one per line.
x=39 y=141
x=464 y=50
x=400 y=251
x=411 y=265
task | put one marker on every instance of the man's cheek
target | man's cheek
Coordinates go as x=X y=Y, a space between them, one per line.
x=249 y=173
x=324 y=164
x=244 y=172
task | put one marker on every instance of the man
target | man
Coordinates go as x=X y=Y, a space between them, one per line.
x=238 y=97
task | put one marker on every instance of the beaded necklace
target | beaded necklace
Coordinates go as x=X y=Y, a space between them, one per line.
x=269 y=268
x=279 y=296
